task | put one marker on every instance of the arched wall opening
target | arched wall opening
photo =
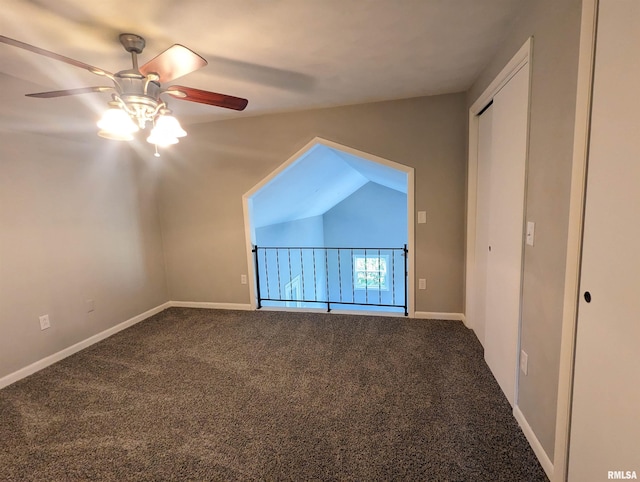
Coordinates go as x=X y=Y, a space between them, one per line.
x=332 y=223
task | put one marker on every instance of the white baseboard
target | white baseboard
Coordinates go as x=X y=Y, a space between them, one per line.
x=294 y=309
x=367 y=313
x=211 y=306
x=56 y=357
x=333 y=311
x=431 y=315
x=543 y=458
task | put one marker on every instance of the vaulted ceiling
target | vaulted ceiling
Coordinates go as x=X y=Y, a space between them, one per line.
x=282 y=55
x=316 y=181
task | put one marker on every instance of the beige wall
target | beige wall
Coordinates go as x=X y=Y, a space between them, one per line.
x=78 y=221
x=205 y=177
x=555 y=26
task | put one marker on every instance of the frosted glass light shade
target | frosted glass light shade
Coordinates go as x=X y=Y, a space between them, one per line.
x=167 y=125
x=115 y=136
x=160 y=139
x=116 y=124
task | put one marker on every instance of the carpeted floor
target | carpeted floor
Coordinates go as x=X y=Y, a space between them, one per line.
x=228 y=395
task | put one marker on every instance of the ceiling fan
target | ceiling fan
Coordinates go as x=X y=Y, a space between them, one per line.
x=136 y=91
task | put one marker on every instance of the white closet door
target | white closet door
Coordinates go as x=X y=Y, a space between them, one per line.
x=482 y=221
x=605 y=421
x=506 y=215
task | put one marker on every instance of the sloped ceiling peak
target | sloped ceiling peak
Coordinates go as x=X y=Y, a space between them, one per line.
x=374 y=172
x=319 y=179
x=308 y=187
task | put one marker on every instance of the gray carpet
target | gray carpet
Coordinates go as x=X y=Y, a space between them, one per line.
x=227 y=395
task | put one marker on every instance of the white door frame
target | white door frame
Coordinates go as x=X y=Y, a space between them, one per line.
x=574 y=240
x=409 y=171
x=522 y=57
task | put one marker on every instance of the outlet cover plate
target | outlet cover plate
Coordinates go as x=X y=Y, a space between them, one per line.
x=44 y=322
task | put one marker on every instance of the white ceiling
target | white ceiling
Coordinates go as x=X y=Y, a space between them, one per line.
x=282 y=55
x=315 y=182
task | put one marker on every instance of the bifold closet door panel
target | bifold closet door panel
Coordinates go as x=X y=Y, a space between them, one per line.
x=505 y=231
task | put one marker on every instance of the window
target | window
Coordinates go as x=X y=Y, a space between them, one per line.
x=370 y=272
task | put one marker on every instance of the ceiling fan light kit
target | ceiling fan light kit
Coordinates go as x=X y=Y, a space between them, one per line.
x=136 y=100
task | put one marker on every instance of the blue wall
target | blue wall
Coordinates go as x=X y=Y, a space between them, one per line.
x=374 y=216
x=302 y=232
x=306 y=265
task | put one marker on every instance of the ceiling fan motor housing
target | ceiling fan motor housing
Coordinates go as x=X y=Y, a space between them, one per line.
x=140 y=96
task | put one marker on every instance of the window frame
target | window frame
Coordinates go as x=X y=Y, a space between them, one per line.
x=385 y=272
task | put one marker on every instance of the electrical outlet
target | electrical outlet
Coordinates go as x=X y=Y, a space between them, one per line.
x=44 y=322
x=524 y=362
x=243 y=279
x=91 y=306
x=422 y=217
x=422 y=284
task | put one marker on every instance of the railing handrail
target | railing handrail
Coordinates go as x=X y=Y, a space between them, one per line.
x=323 y=247
x=366 y=252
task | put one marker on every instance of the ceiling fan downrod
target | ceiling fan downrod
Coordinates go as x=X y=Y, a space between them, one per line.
x=134 y=44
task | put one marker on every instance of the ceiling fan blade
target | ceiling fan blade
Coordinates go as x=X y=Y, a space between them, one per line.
x=52 y=55
x=206 y=97
x=174 y=62
x=62 y=93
